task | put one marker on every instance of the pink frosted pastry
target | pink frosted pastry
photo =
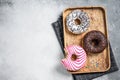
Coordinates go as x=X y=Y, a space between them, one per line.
x=75 y=59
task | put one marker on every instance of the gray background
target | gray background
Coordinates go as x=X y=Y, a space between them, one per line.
x=29 y=49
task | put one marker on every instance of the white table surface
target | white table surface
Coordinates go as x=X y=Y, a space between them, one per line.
x=29 y=49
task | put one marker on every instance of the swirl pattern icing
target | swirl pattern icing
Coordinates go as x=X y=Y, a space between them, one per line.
x=80 y=60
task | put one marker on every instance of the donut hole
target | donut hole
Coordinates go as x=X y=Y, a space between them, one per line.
x=77 y=21
x=95 y=42
x=73 y=57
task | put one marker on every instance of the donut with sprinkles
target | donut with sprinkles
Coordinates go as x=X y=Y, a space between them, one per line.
x=77 y=21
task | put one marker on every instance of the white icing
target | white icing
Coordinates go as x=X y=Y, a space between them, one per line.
x=82 y=16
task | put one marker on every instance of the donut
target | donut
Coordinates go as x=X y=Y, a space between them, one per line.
x=75 y=59
x=77 y=21
x=94 y=42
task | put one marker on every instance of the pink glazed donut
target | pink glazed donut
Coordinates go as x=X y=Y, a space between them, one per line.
x=75 y=58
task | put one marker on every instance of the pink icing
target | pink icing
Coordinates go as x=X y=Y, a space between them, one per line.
x=74 y=65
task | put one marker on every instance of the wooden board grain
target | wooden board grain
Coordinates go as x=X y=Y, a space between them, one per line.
x=95 y=62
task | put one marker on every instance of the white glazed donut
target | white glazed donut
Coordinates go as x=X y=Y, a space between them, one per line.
x=78 y=62
x=77 y=28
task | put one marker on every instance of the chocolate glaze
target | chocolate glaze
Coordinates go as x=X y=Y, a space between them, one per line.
x=94 y=42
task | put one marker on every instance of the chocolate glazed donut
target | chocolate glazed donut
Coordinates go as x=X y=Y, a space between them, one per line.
x=94 y=42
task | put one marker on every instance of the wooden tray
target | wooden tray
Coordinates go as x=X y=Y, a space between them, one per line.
x=95 y=62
